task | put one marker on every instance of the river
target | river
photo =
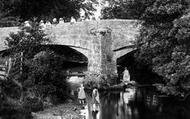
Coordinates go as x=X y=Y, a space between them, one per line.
x=138 y=103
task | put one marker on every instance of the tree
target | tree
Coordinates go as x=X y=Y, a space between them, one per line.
x=6 y=19
x=46 y=75
x=39 y=74
x=126 y=9
x=24 y=42
x=152 y=10
x=163 y=43
x=22 y=10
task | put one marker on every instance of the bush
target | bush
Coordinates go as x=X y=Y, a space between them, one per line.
x=47 y=75
x=93 y=79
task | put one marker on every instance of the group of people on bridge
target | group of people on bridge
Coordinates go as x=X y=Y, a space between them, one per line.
x=55 y=21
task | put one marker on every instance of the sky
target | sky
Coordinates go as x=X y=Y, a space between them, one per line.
x=99 y=7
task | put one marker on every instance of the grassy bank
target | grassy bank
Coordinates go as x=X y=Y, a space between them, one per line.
x=69 y=110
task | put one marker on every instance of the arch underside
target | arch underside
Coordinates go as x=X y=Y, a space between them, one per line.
x=70 y=54
x=74 y=61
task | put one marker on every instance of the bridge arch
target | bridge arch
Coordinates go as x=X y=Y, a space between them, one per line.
x=74 y=60
x=70 y=52
x=79 y=49
x=60 y=49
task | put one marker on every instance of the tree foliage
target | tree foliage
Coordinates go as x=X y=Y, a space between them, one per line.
x=6 y=19
x=129 y=9
x=163 y=43
x=155 y=10
x=27 y=39
x=46 y=78
x=41 y=76
x=12 y=12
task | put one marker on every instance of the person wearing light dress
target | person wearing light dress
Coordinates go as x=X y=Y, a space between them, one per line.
x=126 y=76
x=81 y=94
x=73 y=20
x=95 y=104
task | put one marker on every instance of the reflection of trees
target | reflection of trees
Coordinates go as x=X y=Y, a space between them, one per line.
x=108 y=104
x=144 y=105
x=139 y=105
x=109 y=107
x=174 y=109
x=116 y=105
x=130 y=110
x=151 y=107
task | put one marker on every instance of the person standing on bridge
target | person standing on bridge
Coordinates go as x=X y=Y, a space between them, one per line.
x=73 y=20
x=81 y=94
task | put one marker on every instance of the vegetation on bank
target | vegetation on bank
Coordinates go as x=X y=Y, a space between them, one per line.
x=35 y=78
x=101 y=81
x=164 y=42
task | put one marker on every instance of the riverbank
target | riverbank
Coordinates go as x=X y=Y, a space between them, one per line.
x=69 y=110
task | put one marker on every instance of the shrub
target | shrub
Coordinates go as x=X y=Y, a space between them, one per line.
x=93 y=79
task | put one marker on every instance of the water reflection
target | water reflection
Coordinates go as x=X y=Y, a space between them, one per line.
x=141 y=103
x=123 y=108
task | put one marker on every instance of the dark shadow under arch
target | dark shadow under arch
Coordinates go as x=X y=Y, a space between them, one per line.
x=138 y=71
x=74 y=60
x=71 y=54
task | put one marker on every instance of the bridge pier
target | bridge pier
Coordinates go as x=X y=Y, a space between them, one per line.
x=101 y=57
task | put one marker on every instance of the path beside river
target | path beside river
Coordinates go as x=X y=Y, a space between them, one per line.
x=69 y=110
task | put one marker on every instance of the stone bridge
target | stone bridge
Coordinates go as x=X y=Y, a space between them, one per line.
x=102 y=42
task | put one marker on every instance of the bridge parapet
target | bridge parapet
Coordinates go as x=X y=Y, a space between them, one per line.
x=124 y=32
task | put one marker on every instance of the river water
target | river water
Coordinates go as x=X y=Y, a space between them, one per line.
x=138 y=103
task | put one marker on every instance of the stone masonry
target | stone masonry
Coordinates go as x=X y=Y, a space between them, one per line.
x=100 y=58
x=99 y=41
